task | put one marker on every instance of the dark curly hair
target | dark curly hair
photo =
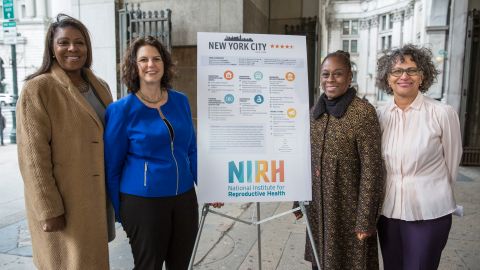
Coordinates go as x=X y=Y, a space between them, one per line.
x=62 y=21
x=130 y=68
x=420 y=55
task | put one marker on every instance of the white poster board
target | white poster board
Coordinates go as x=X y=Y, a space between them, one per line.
x=253 y=118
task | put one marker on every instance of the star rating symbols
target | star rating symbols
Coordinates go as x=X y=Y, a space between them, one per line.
x=281 y=46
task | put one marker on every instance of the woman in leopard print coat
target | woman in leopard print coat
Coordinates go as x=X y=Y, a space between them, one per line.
x=347 y=174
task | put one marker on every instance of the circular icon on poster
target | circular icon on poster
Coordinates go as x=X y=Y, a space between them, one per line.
x=228 y=75
x=258 y=75
x=258 y=99
x=290 y=76
x=291 y=113
x=229 y=99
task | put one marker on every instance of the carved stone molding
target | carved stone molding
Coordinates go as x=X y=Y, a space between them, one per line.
x=409 y=10
x=398 y=16
x=364 y=24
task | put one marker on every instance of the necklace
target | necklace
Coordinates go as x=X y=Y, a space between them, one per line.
x=83 y=86
x=149 y=100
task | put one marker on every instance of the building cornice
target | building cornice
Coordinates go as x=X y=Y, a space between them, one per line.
x=437 y=28
x=370 y=18
x=406 y=7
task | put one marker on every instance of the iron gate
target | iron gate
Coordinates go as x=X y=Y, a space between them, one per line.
x=134 y=23
x=469 y=109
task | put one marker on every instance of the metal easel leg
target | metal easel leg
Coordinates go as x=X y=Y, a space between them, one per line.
x=199 y=233
x=310 y=235
x=259 y=238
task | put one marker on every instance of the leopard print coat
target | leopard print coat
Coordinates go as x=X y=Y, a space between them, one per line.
x=347 y=179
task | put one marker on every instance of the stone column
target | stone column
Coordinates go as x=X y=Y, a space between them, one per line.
x=335 y=42
x=372 y=60
x=397 y=29
x=364 y=52
x=419 y=23
x=29 y=9
x=41 y=9
x=98 y=18
x=408 y=33
x=456 y=54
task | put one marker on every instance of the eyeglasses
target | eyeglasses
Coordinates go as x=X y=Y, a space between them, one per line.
x=144 y=60
x=410 y=72
x=335 y=74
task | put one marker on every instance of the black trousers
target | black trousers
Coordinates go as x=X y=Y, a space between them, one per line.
x=160 y=229
x=413 y=245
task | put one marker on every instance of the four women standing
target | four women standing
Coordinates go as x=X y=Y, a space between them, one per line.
x=150 y=157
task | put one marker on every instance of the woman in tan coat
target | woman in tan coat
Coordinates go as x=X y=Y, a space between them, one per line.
x=60 y=151
x=346 y=172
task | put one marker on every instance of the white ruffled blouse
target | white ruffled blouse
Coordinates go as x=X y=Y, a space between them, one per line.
x=421 y=147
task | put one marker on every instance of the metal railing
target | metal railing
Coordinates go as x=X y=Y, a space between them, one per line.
x=471 y=156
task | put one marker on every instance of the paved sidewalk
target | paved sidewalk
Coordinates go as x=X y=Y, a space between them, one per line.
x=227 y=244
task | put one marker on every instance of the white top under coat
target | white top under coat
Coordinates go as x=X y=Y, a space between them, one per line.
x=421 y=147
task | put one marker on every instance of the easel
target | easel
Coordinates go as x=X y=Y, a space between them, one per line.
x=206 y=209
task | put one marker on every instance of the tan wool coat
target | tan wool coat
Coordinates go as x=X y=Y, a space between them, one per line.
x=60 y=152
x=347 y=179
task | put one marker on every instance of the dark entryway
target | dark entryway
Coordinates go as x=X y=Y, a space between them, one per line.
x=470 y=109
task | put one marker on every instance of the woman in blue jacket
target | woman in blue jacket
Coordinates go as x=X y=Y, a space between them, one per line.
x=151 y=160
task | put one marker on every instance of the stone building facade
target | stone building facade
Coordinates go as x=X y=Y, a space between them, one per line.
x=367 y=28
x=33 y=18
x=32 y=21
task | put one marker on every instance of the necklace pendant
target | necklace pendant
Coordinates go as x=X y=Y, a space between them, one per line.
x=149 y=100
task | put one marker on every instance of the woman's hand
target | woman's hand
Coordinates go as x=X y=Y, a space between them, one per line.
x=54 y=224
x=364 y=235
x=217 y=204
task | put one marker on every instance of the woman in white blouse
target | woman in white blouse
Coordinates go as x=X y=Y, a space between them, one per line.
x=421 y=146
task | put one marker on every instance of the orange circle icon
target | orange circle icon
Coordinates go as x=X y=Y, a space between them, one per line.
x=228 y=75
x=290 y=76
x=291 y=113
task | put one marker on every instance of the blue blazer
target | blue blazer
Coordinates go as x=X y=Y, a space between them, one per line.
x=140 y=156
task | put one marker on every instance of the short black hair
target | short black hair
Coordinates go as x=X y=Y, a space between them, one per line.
x=343 y=56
